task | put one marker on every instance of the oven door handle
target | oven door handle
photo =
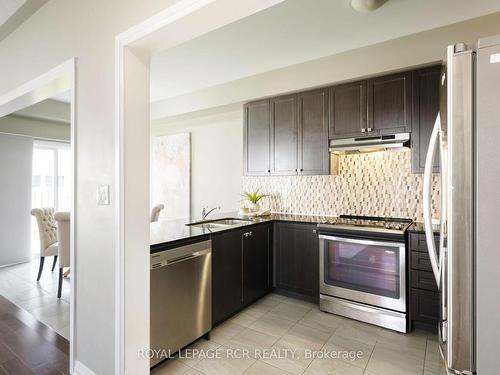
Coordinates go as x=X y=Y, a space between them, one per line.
x=361 y=242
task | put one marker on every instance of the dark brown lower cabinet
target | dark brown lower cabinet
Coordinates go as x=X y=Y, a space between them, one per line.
x=256 y=267
x=227 y=293
x=296 y=259
x=424 y=293
x=240 y=269
x=425 y=306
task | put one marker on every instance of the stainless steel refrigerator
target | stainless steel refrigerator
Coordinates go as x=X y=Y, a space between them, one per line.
x=467 y=260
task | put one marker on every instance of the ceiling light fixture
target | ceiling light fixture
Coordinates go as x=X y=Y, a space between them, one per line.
x=366 y=5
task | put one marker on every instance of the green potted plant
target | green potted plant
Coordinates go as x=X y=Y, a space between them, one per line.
x=253 y=199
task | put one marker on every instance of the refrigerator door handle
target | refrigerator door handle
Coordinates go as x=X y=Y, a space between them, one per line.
x=429 y=234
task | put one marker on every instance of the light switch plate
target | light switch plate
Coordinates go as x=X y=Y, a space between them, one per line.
x=103 y=195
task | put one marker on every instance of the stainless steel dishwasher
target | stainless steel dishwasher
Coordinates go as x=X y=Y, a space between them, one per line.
x=181 y=297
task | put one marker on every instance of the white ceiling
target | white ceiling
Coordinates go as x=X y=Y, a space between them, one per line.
x=293 y=32
x=14 y=12
x=8 y=8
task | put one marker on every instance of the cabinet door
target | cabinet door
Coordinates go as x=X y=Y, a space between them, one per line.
x=347 y=110
x=313 y=133
x=425 y=109
x=256 y=139
x=389 y=104
x=284 y=135
x=424 y=306
x=227 y=292
x=256 y=271
x=297 y=259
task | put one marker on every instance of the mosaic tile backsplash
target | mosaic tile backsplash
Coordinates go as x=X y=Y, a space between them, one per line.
x=370 y=184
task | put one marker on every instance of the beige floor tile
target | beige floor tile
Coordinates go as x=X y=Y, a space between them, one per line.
x=323 y=321
x=290 y=311
x=298 y=302
x=243 y=319
x=228 y=363
x=170 y=367
x=304 y=337
x=274 y=296
x=387 y=360
x=359 y=331
x=262 y=368
x=434 y=363
x=415 y=340
x=252 y=341
x=64 y=332
x=267 y=303
x=272 y=325
x=332 y=367
x=224 y=332
x=290 y=358
x=192 y=355
x=192 y=371
x=342 y=344
x=262 y=307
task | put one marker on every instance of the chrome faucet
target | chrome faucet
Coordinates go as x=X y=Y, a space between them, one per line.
x=205 y=213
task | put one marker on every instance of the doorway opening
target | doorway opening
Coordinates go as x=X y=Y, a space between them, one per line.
x=37 y=264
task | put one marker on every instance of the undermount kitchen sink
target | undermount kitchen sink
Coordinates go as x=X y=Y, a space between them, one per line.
x=220 y=223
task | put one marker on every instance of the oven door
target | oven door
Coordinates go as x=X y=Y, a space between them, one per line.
x=366 y=271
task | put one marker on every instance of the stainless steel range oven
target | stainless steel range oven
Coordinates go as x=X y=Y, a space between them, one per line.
x=363 y=270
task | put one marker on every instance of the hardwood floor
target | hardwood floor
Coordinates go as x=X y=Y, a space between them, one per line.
x=28 y=346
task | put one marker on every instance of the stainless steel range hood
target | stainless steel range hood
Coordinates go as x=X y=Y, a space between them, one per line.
x=370 y=144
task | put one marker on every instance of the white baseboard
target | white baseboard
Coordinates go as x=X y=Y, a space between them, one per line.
x=81 y=369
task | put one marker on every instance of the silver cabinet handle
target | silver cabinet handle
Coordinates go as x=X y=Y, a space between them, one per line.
x=315 y=231
x=369 y=129
x=247 y=234
x=363 y=130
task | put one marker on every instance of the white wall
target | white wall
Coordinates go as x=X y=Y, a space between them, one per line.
x=16 y=154
x=216 y=156
x=85 y=29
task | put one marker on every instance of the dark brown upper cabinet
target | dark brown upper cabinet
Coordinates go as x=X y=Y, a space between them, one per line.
x=284 y=135
x=313 y=157
x=256 y=139
x=389 y=104
x=425 y=109
x=348 y=110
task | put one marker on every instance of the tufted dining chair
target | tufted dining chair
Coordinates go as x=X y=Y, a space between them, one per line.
x=155 y=212
x=63 y=234
x=48 y=235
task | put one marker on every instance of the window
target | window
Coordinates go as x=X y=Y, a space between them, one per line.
x=51 y=162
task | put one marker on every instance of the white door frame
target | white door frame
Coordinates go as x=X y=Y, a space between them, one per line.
x=177 y=24
x=57 y=80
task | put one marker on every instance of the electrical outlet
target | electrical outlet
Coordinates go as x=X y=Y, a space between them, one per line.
x=102 y=195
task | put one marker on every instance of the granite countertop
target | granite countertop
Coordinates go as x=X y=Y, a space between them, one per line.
x=164 y=232
x=418 y=227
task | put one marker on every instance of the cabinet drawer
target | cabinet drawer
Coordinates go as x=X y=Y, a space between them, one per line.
x=424 y=306
x=420 y=261
x=418 y=242
x=423 y=280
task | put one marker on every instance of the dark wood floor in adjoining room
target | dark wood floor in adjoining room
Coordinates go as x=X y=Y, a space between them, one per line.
x=28 y=346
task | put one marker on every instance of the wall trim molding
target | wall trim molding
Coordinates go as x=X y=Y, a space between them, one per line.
x=81 y=369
